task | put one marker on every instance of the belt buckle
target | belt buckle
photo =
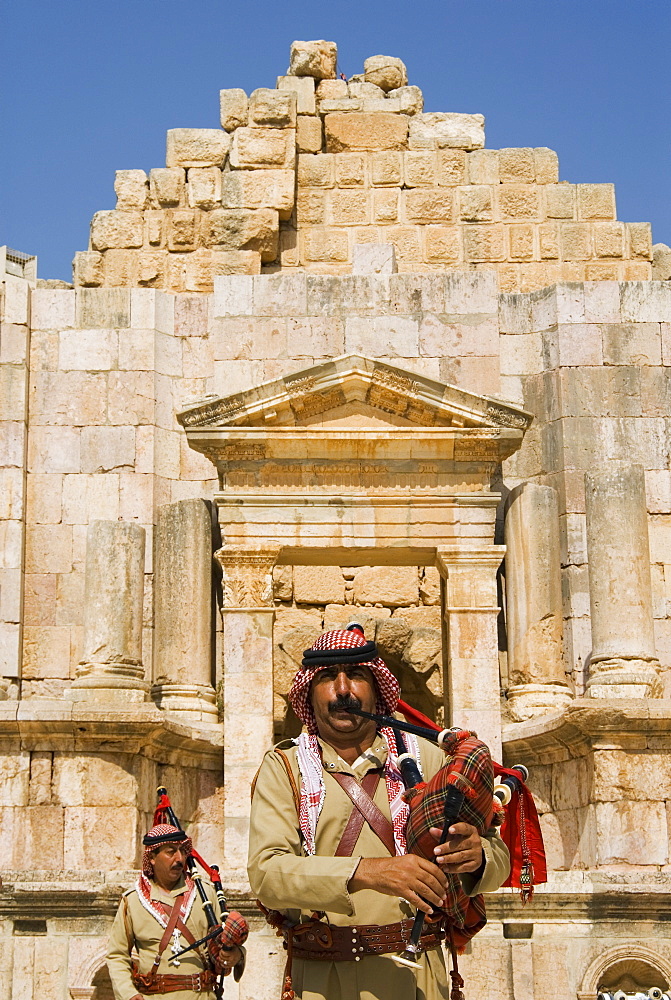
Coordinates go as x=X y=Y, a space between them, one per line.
x=196 y=985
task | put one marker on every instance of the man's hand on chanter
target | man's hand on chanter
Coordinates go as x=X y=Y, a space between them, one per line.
x=418 y=881
x=462 y=851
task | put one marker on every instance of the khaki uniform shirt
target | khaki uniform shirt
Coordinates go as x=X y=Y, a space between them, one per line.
x=285 y=879
x=147 y=933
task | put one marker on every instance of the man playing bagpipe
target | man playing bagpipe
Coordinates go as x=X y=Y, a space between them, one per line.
x=342 y=890
x=162 y=914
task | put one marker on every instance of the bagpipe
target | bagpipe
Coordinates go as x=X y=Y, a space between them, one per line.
x=654 y=993
x=469 y=788
x=229 y=928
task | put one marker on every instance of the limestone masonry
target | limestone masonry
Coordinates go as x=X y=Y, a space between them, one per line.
x=336 y=359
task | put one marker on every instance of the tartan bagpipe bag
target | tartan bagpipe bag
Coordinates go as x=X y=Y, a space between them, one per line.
x=469 y=770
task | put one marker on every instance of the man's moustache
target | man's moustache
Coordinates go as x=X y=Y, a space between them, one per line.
x=342 y=704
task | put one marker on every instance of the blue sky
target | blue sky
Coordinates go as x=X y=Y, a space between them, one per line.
x=90 y=88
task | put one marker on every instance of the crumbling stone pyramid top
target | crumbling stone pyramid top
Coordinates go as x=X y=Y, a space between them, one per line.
x=298 y=176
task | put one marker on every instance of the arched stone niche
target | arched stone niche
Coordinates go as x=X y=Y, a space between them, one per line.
x=628 y=967
x=88 y=976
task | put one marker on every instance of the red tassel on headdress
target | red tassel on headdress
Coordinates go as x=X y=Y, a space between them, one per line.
x=520 y=830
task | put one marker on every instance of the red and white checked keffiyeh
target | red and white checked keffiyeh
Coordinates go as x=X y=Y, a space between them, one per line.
x=309 y=754
x=313 y=789
x=143 y=885
x=388 y=688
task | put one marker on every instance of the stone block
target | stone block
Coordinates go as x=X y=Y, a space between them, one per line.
x=635 y=344
x=374 y=258
x=645 y=302
x=88 y=350
x=54 y=449
x=107 y=449
x=332 y=90
x=14 y=778
x=521 y=242
x=349 y=207
x=311 y=207
x=204 y=187
x=640 y=239
x=386 y=205
x=318 y=585
x=304 y=89
x=166 y=186
x=280 y=295
x=308 y=133
x=426 y=205
x=518 y=201
x=259 y=189
x=632 y=833
x=239 y=229
x=233 y=108
x=546 y=164
x=481 y=167
x=576 y=241
x=439 y=130
x=560 y=201
x=88 y=269
x=326 y=245
x=661 y=262
x=95 y=840
x=386 y=169
x=411 y=99
x=276 y=108
x=438 y=338
x=386 y=72
x=484 y=243
x=52 y=309
x=393 y=586
x=420 y=168
x=548 y=242
x=382 y=336
x=46 y=651
x=475 y=203
x=233 y=296
x=317 y=59
x=596 y=201
x=363 y=131
x=516 y=165
x=196 y=147
x=131 y=189
x=350 y=170
x=14 y=344
x=116 y=230
x=316 y=171
x=263 y=148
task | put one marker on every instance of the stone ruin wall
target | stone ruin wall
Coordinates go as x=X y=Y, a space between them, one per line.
x=92 y=378
x=299 y=176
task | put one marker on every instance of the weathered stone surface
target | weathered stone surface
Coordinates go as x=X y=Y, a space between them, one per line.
x=131 y=189
x=259 y=189
x=317 y=59
x=386 y=72
x=204 y=187
x=411 y=99
x=263 y=148
x=238 y=229
x=166 y=186
x=374 y=258
x=276 y=108
x=661 y=262
x=233 y=108
x=345 y=132
x=116 y=230
x=437 y=130
x=112 y=652
x=318 y=584
x=396 y=586
x=197 y=147
x=308 y=134
x=304 y=89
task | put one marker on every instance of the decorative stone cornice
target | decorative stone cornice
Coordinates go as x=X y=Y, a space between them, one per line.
x=589 y=724
x=143 y=730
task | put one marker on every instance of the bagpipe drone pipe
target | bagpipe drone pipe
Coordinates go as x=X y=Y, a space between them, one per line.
x=229 y=928
x=469 y=788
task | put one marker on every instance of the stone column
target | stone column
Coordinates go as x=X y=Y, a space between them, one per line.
x=534 y=603
x=623 y=662
x=111 y=665
x=4 y=688
x=248 y=615
x=183 y=611
x=470 y=611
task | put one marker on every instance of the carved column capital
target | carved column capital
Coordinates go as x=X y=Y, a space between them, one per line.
x=247 y=576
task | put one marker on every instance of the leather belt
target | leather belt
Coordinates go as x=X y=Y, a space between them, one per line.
x=316 y=940
x=200 y=982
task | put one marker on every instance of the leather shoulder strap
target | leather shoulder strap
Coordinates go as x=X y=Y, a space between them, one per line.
x=290 y=775
x=376 y=820
x=345 y=848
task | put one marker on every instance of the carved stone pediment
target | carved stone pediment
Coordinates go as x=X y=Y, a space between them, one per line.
x=354 y=391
